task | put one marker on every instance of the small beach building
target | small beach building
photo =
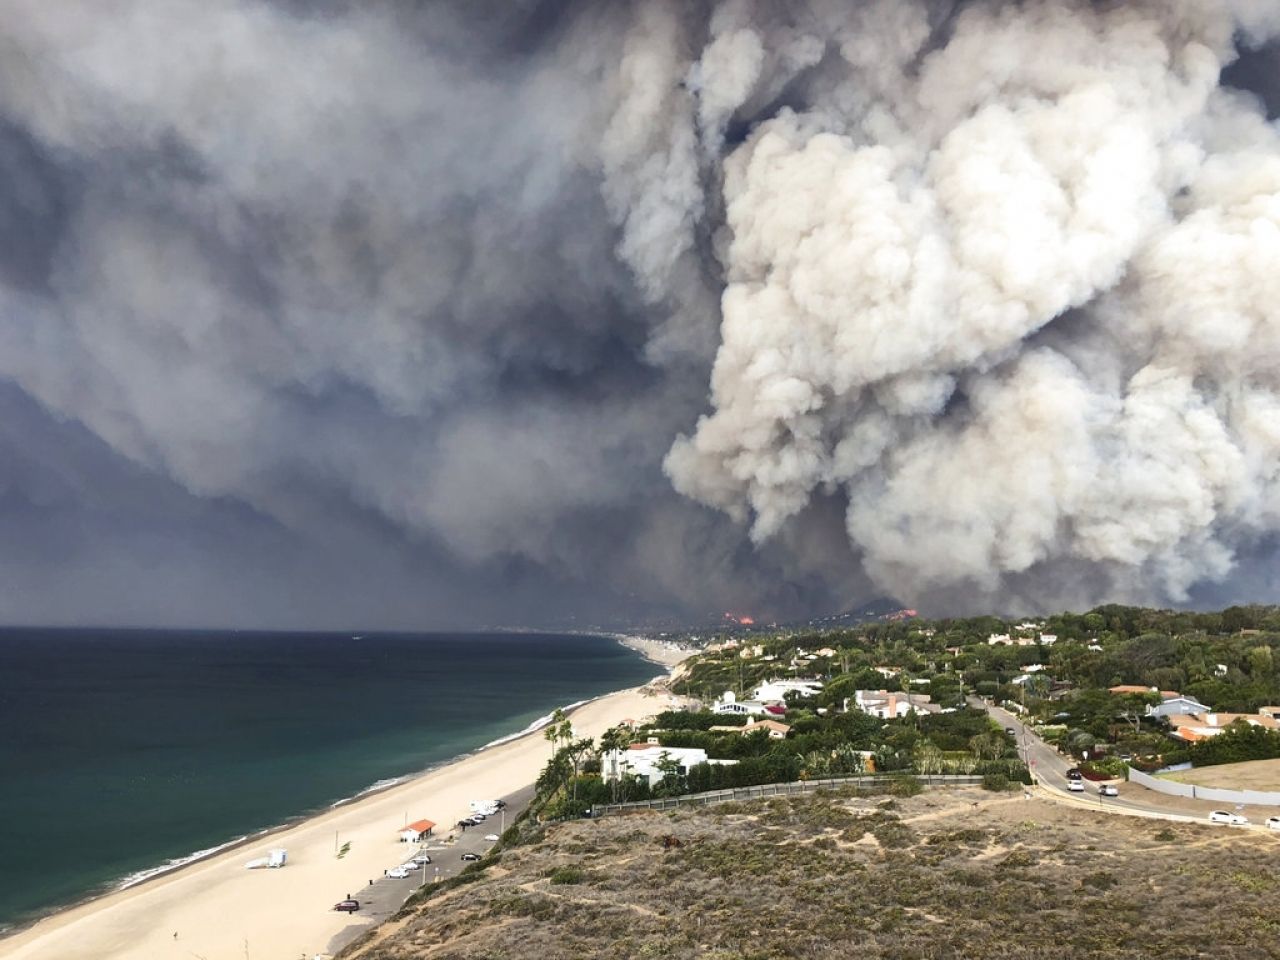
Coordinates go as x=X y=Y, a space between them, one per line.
x=417 y=831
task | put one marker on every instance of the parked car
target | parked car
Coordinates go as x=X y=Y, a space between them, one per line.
x=398 y=873
x=1075 y=786
x=420 y=859
x=1223 y=816
x=466 y=822
x=1108 y=790
x=500 y=804
x=471 y=856
x=1273 y=823
x=478 y=817
x=491 y=837
x=347 y=906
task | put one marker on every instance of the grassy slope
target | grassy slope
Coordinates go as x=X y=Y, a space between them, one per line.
x=944 y=874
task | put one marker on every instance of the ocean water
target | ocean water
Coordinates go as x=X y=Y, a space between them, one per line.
x=122 y=750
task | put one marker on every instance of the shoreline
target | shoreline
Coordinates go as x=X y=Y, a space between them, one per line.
x=140 y=878
x=94 y=923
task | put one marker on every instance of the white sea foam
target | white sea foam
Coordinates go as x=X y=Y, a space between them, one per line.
x=373 y=787
x=136 y=878
x=536 y=725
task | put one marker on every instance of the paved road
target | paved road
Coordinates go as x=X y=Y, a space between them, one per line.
x=1049 y=769
x=384 y=896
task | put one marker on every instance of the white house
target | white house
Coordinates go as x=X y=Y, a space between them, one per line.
x=778 y=689
x=996 y=638
x=729 y=704
x=890 y=705
x=1048 y=639
x=646 y=760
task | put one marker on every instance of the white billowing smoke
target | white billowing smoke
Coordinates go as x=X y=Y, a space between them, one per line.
x=1010 y=282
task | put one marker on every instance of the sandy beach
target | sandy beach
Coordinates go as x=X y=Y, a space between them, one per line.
x=222 y=911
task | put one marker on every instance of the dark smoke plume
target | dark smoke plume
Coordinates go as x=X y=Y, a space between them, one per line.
x=416 y=313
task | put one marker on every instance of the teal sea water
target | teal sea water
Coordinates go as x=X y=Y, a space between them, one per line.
x=124 y=750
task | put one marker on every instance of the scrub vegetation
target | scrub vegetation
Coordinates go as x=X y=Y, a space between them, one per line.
x=947 y=873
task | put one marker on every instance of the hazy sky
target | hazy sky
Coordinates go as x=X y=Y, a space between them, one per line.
x=457 y=313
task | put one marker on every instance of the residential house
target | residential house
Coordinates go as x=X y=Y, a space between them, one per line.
x=647 y=760
x=889 y=705
x=731 y=705
x=775 y=730
x=1177 y=705
x=1193 y=727
x=778 y=689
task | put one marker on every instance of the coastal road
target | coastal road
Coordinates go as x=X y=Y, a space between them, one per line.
x=383 y=896
x=1049 y=769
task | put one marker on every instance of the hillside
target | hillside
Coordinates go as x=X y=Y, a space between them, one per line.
x=959 y=873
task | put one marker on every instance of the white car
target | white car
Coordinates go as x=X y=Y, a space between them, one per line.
x=1075 y=786
x=419 y=860
x=1222 y=816
x=399 y=873
x=1108 y=790
x=1273 y=823
x=491 y=837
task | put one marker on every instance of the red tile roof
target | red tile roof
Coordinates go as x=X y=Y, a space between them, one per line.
x=421 y=826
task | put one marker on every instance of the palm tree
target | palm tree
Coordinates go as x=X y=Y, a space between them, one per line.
x=552 y=734
x=611 y=742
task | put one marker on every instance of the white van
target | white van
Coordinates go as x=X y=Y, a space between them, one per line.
x=487 y=807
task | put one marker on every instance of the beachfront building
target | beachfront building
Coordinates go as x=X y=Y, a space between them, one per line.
x=778 y=689
x=648 y=760
x=417 y=831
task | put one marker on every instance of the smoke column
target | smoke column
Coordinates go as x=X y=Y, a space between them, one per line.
x=970 y=303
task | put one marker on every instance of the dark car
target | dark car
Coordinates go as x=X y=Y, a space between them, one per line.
x=1010 y=731
x=466 y=822
x=500 y=804
x=347 y=906
x=471 y=856
x=1074 y=773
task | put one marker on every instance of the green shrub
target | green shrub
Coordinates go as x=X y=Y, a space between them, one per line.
x=568 y=874
x=997 y=782
x=905 y=787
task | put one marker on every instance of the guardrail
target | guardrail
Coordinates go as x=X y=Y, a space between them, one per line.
x=781 y=790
